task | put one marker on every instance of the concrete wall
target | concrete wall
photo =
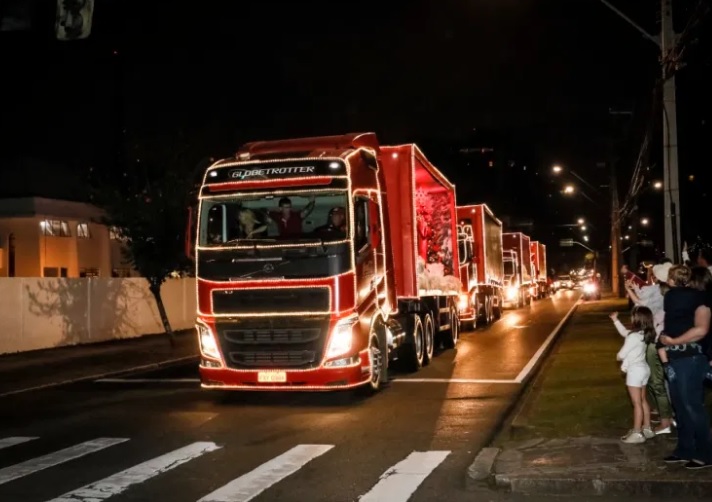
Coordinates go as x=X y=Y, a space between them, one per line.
x=41 y=313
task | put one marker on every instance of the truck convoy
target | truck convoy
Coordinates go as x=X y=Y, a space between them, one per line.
x=322 y=261
x=481 y=269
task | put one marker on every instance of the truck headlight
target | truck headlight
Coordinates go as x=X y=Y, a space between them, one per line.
x=342 y=337
x=589 y=287
x=512 y=292
x=463 y=302
x=208 y=344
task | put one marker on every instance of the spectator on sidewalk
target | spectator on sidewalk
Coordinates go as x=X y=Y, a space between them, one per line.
x=687 y=323
x=632 y=355
x=652 y=296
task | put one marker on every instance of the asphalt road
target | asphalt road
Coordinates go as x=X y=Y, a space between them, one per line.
x=159 y=437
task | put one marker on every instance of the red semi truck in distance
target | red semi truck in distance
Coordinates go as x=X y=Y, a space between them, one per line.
x=320 y=260
x=518 y=281
x=539 y=270
x=481 y=269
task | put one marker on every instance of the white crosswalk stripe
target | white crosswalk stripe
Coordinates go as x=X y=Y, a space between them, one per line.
x=253 y=483
x=119 y=482
x=58 y=457
x=399 y=482
x=8 y=442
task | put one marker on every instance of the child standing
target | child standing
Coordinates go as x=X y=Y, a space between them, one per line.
x=637 y=371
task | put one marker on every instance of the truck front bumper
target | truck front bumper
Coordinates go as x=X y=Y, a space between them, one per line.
x=324 y=378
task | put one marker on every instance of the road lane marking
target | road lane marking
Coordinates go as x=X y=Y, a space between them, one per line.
x=530 y=365
x=8 y=442
x=253 y=483
x=451 y=380
x=119 y=482
x=148 y=380
x=55 y=458
x=399 y=482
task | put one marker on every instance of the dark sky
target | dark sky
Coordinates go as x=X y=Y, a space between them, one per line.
x=532 y=78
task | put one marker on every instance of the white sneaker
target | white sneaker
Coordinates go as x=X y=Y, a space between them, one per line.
x=648 y=433
x=666 y=430
x=633 y=437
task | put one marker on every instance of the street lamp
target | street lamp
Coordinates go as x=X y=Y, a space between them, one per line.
x=644 y=221
x=583 y=228
x=585 y=238
x=557 y=169
x=569 y=189
x=657 y=185
x=581 y=221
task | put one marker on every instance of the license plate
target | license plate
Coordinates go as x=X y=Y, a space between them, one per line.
x=272 y=376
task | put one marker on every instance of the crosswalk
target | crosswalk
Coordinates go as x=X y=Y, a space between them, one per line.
x=398 y=482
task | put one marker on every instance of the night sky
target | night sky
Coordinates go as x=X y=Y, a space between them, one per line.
x=534 y=80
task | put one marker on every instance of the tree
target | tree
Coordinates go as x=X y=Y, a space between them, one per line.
x=146 y=206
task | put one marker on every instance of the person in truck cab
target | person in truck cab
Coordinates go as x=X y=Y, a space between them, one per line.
x=288 y=220
x=336 y=226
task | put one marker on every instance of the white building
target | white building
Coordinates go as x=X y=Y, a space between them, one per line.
x=42 y=237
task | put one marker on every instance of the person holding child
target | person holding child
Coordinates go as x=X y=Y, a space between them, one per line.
x=637 y=371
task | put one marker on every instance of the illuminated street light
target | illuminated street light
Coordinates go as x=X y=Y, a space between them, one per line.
x=644 y=221
x=569 y=189
x=581 y=221
x=557 y=169
x=657 y=185
x=583 y=228
x=585 y=238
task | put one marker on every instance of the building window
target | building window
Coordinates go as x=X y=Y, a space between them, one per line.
x=55 y=228
x=83 y=230
x=50 y=272
x=121 y=272
x=88 y=272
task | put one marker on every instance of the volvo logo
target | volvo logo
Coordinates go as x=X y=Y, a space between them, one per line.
x=268 y=269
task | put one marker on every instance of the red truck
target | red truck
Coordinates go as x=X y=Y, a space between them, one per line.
x=321 y=260
x=539 y=270
x=518 y=281
x=481 y=269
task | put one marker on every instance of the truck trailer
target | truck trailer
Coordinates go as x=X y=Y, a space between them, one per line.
x=320 y=261
x=517 y=262
x=481 y=269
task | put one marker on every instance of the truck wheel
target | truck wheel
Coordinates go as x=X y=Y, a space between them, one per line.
x=451 y=336
x=415 y=351
x=429 y=335
x=498 y=310
x=378 y=358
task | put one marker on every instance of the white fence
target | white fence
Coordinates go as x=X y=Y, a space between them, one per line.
x=40 y=313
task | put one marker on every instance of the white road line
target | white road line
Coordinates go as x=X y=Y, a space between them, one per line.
x=399 y=482
x=55 y=458
x=119 y=482
x=450 y=380
x=525 y=371
x=253 y=483
x=8 y=442
x=148 y=380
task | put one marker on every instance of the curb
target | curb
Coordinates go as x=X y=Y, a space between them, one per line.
x=485 y=459
x=572 y=486
x=110 y=374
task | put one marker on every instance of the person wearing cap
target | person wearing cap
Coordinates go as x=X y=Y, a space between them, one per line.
x=336 y=226
x=652 y=296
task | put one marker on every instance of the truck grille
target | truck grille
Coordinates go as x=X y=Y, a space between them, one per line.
x=264 y=301
x=273 y=342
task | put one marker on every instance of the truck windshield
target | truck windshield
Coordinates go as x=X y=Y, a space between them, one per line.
x=256 y=219
x=508 y=267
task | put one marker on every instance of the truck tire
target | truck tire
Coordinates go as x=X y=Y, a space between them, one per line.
x=451 y=336
x=498 y=310
x=378 y=356
x=429 y=336
x=415 y=351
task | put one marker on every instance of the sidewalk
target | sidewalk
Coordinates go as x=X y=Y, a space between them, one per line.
x=565 y=437
x=47 y=368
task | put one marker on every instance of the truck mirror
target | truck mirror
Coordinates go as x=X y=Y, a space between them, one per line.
x=190 y=235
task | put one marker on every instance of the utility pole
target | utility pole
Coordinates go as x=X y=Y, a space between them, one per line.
x=666 y=42
x=615 y=233
x=670 y=170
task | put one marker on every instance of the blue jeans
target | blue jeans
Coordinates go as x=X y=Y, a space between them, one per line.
x=694 y=438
